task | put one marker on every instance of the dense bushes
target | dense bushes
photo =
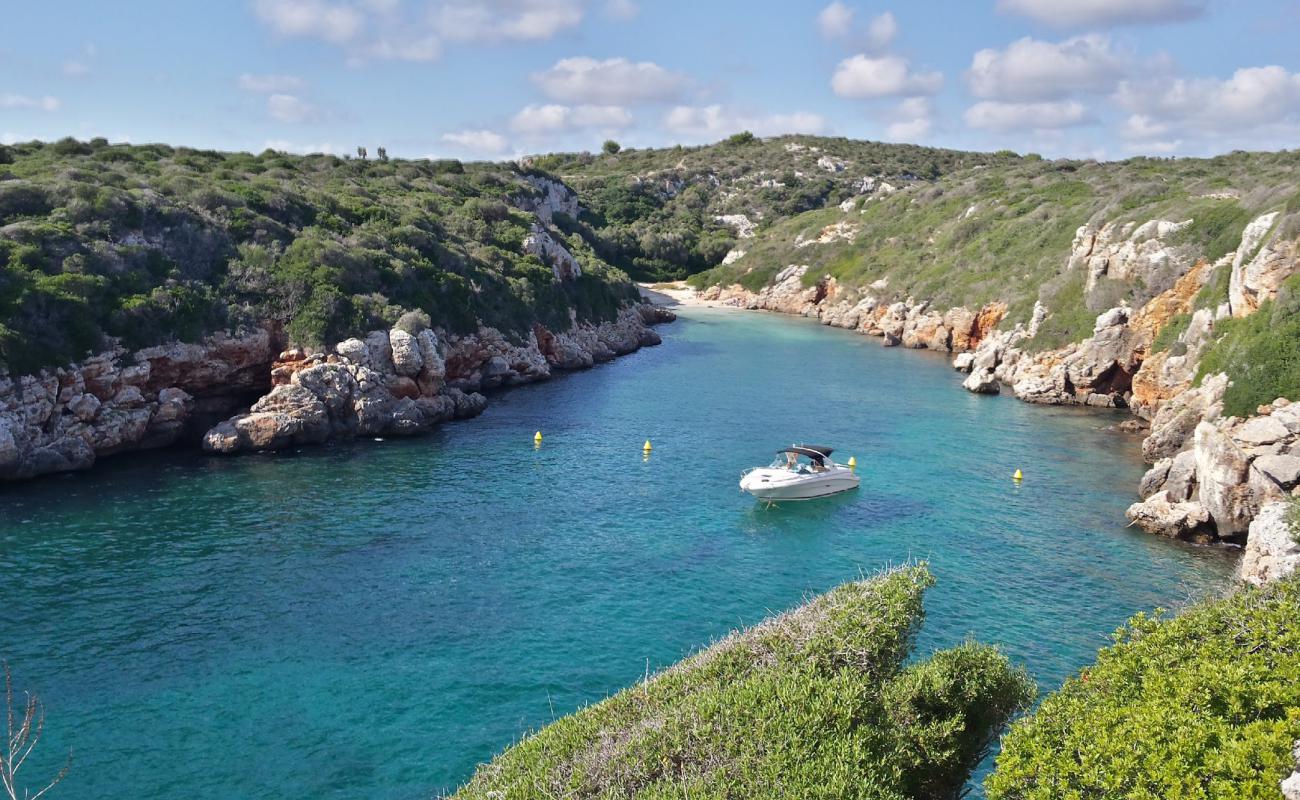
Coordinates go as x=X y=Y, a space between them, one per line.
x=815 y=703
x=1004 y=230
x=1203 y=705
x=654 y=213
x=151 y=243
x=1259 y=352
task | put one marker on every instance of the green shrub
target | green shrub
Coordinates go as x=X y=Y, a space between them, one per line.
x=1217 y=229
x=151 y=244
x=815 y=703
x=1260 y=353
x=1170 y=332
x=1204 y=705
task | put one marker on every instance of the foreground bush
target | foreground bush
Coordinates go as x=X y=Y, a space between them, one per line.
x=812 y=703
x=1204 y=705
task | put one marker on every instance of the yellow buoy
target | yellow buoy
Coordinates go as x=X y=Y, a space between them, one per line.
x=853 y=462
x=537 y=437
x=1017 y=476
x=647 y=448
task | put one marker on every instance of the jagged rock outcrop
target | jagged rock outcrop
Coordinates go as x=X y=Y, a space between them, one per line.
x=1161 y=514
x=1232 y=468
x=1260 y=265
x=541 y=243
x=65 y=419
x=1128 y=251
x=394 y=383
x=1272 y=550
x=553 y=198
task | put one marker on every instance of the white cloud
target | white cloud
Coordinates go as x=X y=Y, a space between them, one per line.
x=621 y=9
x=862 y=76
x=477 y=141
x=912 y=120
x=882 y=30
x=333 y=22
x=611 y=81
x=1094 y=13
x=417 y=31
x=1030 y=69
x=265 y=84
x=1253 y=97
x=22 y=101
x=75 y=69
x=290 y=108
x=835 y=21
x=420 y=48
x=714 y=121
x=496 y=20
x=535 y=120
x=999 y=116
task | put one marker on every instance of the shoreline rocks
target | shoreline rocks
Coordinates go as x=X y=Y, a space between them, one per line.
x=390 y=383
x=395 y=383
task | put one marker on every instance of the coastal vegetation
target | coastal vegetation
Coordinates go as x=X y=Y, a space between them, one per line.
x=1259 y=353
x=1203 y=705
x=151 y=243
x=656 y=213
x=818 y=702
x=1004 y=232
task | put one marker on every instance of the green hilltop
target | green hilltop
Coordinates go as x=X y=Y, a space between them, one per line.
x=151 y=243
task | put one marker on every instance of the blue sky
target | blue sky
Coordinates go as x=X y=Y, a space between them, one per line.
x=498 y=78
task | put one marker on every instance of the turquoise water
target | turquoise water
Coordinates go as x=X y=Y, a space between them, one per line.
x=376 y=619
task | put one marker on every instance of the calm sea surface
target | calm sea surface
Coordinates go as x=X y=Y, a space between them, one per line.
x=376 y=619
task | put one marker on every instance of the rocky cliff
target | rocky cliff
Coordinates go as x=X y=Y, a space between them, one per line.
x=392 y=383
x=401 y=383
x=1210 y=475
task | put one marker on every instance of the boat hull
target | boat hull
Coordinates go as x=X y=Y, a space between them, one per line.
x=770 y=485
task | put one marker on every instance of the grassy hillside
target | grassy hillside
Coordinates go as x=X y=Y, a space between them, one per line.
x=815 y=703
x=654 y=212
x=1004 y=232
x=149 y=243
x=1202 y=706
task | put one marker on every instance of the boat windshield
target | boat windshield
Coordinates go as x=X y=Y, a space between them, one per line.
x=794 y=462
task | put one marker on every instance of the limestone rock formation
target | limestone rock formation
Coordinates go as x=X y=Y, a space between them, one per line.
x=64 y=419
x=982 y=381
x=1272 y=551
x=1161 y=514
x=393 y=383
x=1262 y=262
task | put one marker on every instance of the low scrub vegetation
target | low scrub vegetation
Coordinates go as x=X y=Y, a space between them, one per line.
x=815 y=703
x=1260 y=353
x=152 y=243
x=1201 y=706
x=1003 y=231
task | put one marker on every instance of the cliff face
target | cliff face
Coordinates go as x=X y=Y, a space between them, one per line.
x=397 y=383
x=1211 y=476
x=66 y=418
x=392 y=383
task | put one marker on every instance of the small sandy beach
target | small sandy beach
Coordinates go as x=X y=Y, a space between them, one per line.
x=676 y=293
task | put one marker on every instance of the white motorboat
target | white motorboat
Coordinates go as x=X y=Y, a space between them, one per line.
x=800 y=472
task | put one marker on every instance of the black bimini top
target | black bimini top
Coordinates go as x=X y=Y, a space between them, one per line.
x=814 y=451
